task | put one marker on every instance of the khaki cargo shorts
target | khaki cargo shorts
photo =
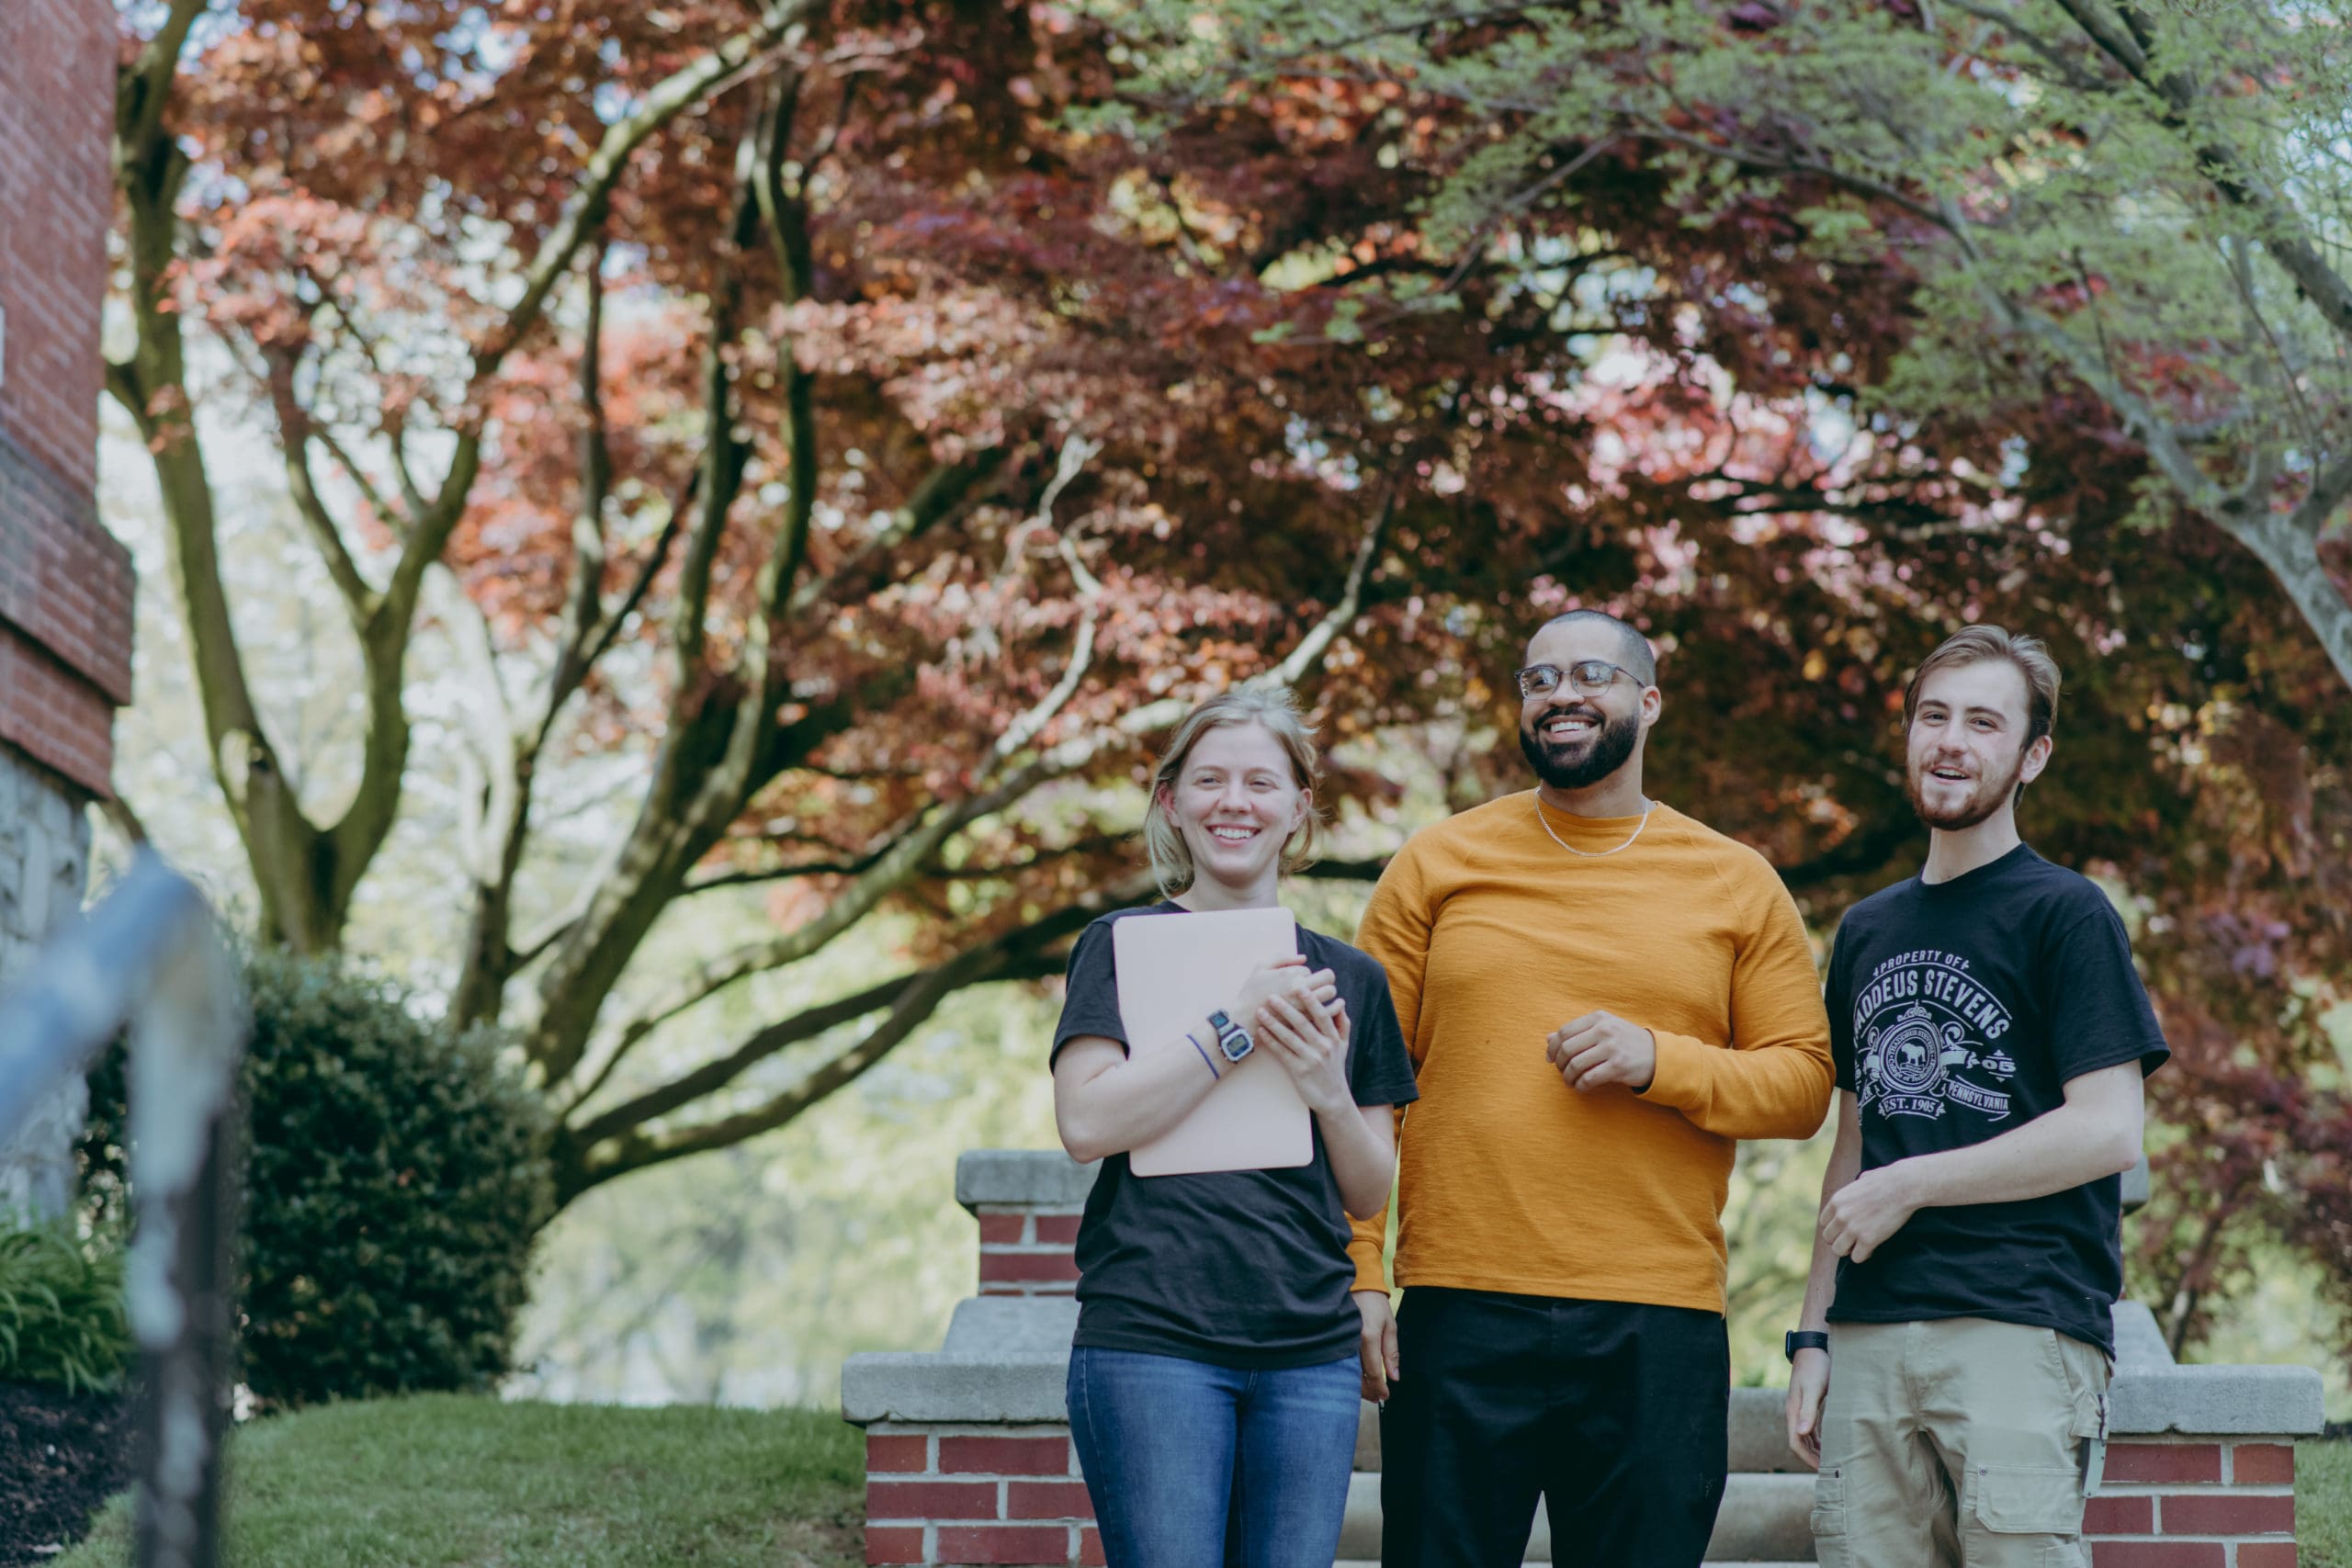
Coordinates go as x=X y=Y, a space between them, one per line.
x=1957 y=1443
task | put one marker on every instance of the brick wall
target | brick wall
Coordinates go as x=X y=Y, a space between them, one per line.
x=65 y=585
x=2195 y=1502
x=57 y=192
x=969 y=1458
x=1025 y=1250
x=976 y=1494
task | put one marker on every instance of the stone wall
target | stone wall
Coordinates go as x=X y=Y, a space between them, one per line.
x=44 y=858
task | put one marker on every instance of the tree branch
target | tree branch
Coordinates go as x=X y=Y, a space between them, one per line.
x=394 y=429
x=785 y=213
x=721 y=473
x=2331 y=487
x=2163 y=443
x=942 y=493
x=2284 y=233
x=883 y=873
x=610 y=1144
x=1761 y=162
x=1074 y=452
x=656 y=556
x=145 y=94
x=584 y=212
x=1145 y=717
x=489 y=718
x=295 y=436
x=368 y=489
x=583 y=609
x=1092 y=844
x=2069 y=70
x=1318 y=639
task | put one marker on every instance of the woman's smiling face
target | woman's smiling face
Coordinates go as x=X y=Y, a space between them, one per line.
x=1237 y=802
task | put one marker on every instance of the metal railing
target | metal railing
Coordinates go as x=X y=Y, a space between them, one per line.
x=150 y=958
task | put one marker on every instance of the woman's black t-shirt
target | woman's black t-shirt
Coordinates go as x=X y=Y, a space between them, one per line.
x=1244 y=1268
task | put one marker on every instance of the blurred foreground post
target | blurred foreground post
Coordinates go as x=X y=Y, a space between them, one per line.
x=151 y=957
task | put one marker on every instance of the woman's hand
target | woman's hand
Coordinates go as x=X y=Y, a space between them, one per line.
x=1376 y=1347
x=1311 y=1043
x=1279 y=977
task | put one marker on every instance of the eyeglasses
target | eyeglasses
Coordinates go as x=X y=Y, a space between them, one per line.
x=1590 y=677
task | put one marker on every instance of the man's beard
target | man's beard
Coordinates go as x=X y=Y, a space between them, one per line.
x=1979 y=804
x=1580 y=764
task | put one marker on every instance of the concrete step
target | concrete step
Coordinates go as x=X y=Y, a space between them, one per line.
x=1764 y=1518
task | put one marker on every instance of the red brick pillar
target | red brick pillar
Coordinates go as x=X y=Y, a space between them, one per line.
x=967 y=1494
x=967 y=1452
x=2195 y=1502
x=1028 y=1204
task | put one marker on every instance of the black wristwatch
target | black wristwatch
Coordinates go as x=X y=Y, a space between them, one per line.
x=1797 y=1339
x=1231 y=1038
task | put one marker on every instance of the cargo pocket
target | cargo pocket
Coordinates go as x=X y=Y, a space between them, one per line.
x=2017 y=1503
x=1829 y=1519
x=2088 y=1374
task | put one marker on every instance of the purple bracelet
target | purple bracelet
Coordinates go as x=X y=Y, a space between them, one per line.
x=1204 y=1055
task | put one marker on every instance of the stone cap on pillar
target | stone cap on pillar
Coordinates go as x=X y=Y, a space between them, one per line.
x=2151 y=1395
x=1021 y=1179
x=987 y=1388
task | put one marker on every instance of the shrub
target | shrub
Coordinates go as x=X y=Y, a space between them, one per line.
x=62 y=1317
x=398 y=1177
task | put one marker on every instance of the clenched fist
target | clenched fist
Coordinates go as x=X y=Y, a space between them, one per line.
x=1601 y=1049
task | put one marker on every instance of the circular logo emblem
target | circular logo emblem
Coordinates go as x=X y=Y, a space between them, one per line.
x=1910 y=1054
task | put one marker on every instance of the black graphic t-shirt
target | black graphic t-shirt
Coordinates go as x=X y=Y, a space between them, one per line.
x=1959 y=1011
x=1244 y=1268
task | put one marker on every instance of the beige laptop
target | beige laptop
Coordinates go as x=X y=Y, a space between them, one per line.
x=1172 y=969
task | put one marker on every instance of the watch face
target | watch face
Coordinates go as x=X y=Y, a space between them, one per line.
x=1236 y=1045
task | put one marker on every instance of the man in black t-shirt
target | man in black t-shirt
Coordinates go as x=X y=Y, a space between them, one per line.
x=1949 y=1378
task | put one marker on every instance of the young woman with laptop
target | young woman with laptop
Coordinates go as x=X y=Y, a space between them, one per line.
x=1214 y=1378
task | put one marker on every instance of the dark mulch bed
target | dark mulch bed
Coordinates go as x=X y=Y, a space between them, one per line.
x=61 y=1456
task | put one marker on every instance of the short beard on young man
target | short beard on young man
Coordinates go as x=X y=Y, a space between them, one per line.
x=1580 y=766
x=1982 y=802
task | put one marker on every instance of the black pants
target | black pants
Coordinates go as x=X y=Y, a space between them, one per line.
x=1613 y=1412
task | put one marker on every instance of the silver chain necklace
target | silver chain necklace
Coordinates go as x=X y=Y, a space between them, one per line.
x=1546 y=822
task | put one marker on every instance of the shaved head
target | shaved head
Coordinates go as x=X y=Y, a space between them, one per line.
x=1634 y=648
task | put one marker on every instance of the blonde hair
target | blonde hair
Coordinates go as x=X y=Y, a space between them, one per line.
x=1272 y=709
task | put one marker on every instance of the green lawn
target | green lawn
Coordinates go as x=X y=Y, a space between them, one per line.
x=443 y=1480
x=2324 y=1504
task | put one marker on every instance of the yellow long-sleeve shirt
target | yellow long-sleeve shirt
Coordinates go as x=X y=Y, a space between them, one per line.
x=1493 y=936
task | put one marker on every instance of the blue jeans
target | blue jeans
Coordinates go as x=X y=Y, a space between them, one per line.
x=1195 y=1466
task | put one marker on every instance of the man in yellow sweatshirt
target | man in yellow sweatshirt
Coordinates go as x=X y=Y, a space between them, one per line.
x=1600 y=997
